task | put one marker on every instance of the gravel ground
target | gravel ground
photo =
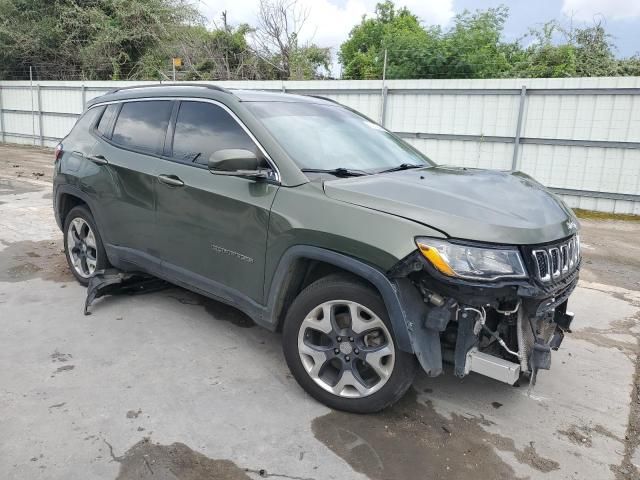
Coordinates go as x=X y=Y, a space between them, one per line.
x=171 y=385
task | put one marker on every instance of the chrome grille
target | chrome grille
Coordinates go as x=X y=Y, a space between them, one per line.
x=557 y=261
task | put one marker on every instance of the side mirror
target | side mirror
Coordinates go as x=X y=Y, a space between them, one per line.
x=237 y=163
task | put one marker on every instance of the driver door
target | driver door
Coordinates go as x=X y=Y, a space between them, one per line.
x=211 y=229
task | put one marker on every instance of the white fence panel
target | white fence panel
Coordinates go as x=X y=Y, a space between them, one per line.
x=579 y=136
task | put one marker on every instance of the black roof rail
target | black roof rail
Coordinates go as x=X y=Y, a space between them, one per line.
x=183 y=84
x=322 y=98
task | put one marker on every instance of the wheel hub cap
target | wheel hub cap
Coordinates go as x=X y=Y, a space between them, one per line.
x=345 y=348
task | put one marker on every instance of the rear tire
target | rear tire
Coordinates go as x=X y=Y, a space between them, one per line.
x=83 y=245
x=347 y=364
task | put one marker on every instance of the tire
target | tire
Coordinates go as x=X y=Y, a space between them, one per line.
x=79 y=227
x=357 y=366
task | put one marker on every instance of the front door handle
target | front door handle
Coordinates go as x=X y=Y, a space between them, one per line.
x=172 y=180
x=97 y=159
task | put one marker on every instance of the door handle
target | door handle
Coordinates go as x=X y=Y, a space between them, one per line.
x=171 y=180
x=97 y=159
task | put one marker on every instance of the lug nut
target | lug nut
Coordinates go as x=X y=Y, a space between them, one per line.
x=336 y=351
x=356 y=351
x=347 y=358
x=351 y=339
x=339 y=339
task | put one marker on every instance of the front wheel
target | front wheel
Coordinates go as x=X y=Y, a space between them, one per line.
x=339 y=346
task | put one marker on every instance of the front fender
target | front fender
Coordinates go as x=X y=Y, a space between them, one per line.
x=388 y=291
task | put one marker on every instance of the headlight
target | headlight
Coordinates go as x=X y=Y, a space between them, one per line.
x=474 y=263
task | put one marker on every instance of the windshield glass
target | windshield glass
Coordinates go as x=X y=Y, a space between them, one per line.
x=321 y=136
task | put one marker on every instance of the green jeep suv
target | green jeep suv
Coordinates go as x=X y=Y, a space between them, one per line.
x=316 y=221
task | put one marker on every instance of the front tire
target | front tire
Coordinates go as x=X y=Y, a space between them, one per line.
x=83 y=245
x=339 y=346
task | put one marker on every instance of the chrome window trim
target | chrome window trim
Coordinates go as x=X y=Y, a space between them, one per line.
x=270 y=161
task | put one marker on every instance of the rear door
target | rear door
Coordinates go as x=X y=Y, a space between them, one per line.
x=131 y=139
x=212 y=229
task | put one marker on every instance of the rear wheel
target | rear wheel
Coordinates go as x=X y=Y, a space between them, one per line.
x=339 y=345
x=83 y=244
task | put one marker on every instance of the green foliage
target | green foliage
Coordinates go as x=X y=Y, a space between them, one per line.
x=136 y=39
x=93 y=39
x=474 y=48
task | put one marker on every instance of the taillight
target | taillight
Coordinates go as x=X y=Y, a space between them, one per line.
x=58 y=152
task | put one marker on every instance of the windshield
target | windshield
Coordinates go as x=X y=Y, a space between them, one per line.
x=327 y=137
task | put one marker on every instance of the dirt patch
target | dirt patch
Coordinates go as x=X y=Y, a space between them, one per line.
x=611 y=253
x=583 y=434
x=21 y=261
x=411 y=437
x=65 y=368
x=627 y=470
x=600 y=336
x=146 y=460
x=134 y=413
x=60 y=357
x=593 y=215
x=16 y=187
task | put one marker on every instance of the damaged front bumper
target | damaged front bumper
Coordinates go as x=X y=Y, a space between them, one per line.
x=498 y=329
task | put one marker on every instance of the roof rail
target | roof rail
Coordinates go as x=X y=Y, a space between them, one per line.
x=322 y=98
x=183 y=84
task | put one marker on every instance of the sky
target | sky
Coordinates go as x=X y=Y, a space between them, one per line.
x=330 y=21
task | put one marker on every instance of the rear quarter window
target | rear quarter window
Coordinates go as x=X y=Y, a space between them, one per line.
x=143 y=125
x=86 y=121
x=104 y=125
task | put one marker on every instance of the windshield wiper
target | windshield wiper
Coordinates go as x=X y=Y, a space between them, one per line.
x=402 y=166
x=338 y=172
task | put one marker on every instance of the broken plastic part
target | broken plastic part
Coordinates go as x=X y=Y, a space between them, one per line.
x=113 y=281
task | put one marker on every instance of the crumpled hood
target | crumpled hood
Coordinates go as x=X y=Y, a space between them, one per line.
x=473 y=204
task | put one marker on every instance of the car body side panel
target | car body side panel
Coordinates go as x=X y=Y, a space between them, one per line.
x=124 y=189
x=305 y=216
x=215 y=226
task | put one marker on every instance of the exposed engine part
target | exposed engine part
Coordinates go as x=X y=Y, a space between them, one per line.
x=492 y=366
x=435 y=299
x=510 y=312
x=500 y=341
x=482 y=317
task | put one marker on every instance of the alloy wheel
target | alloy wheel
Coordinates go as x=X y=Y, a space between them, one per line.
x=346 y=349
x=82 y=248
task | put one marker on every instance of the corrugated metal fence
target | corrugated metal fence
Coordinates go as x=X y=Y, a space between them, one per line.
x=580 y=136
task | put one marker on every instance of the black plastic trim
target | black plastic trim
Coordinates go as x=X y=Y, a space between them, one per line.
x=357 y=267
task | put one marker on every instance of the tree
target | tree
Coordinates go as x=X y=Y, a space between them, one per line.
x=277 y=42
x=398 y=31
x=470 y=49
x=92 y=39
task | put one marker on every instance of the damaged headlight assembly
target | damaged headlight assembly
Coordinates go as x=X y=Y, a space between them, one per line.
x=472 y=262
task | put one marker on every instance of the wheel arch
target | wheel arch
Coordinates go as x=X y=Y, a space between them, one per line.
x=70 y=196
x=302 y=264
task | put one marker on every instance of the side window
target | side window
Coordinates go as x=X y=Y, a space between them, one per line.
x=204 y=128
x=143 y=125
x=87 y=119
x=107 y=117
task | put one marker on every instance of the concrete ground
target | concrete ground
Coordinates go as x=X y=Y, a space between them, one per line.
x=170 y=385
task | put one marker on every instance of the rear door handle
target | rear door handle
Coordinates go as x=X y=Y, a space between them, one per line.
x=97 y=159
x=171 y=180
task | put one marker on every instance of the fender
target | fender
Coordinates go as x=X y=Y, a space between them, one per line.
x=75 y=191
x=390 y=296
